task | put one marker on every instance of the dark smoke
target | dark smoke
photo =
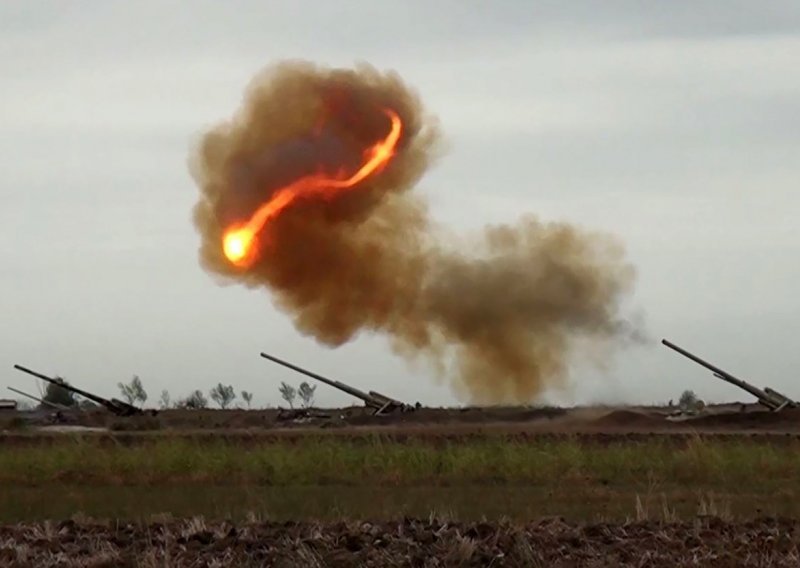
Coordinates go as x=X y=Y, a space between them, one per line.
x=510 y=307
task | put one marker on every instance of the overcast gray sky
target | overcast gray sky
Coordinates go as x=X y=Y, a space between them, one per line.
x=675 y=125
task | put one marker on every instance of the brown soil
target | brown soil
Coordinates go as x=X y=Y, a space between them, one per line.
x=786 y=419
x=545 y=419
x=425 y=422
x=419 y=543
x=629 y=419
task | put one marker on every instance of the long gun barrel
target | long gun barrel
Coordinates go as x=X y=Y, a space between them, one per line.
x=39 y=400
x=375 y=400
x=768 y=397
x=118 y=407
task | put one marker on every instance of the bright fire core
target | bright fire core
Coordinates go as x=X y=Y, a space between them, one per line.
x=239 y=241
x=236 y=245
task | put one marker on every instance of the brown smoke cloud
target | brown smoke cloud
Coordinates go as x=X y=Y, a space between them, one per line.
x=508 y=306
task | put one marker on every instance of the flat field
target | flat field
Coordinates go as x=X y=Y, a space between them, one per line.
x=187 y=490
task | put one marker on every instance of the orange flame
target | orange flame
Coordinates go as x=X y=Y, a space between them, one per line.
x=239 y=244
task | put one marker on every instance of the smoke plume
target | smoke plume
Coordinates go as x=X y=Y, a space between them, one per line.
x=508 y=306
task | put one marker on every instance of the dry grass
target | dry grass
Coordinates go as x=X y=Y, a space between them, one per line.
x=705 y=541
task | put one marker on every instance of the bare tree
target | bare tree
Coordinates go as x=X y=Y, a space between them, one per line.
x=222 y=395
x=247 y=397
x=133 y=391
x=687 y=400
x=306 y=393
x=195 y=400
x=288 y=393
x=164 y=401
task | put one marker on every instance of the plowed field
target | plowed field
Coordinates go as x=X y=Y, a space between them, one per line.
x=418 y=543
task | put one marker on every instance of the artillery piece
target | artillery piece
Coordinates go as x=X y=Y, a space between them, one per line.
x=118 y=407
x=381 y=404
x=768 y=397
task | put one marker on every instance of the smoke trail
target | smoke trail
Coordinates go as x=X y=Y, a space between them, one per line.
x=510 y=309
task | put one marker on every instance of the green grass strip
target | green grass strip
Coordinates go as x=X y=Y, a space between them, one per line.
x=339 y=461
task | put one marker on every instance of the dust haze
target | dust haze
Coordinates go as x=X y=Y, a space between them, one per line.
x=499 y=315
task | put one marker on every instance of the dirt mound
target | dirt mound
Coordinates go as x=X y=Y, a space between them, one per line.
x=410 y=542
x=629 y=419
x=753 y=420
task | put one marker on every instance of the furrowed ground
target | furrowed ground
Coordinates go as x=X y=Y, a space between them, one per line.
x=408 y=542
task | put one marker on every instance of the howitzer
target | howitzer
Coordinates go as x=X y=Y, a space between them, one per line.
x=379 y=402
x=42 y=401
x=768 y=397
x=118 y=407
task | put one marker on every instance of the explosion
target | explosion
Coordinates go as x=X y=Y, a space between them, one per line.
x=306 y=192
x=238 y=242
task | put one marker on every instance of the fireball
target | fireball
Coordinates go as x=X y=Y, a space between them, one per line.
x=240 y=242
